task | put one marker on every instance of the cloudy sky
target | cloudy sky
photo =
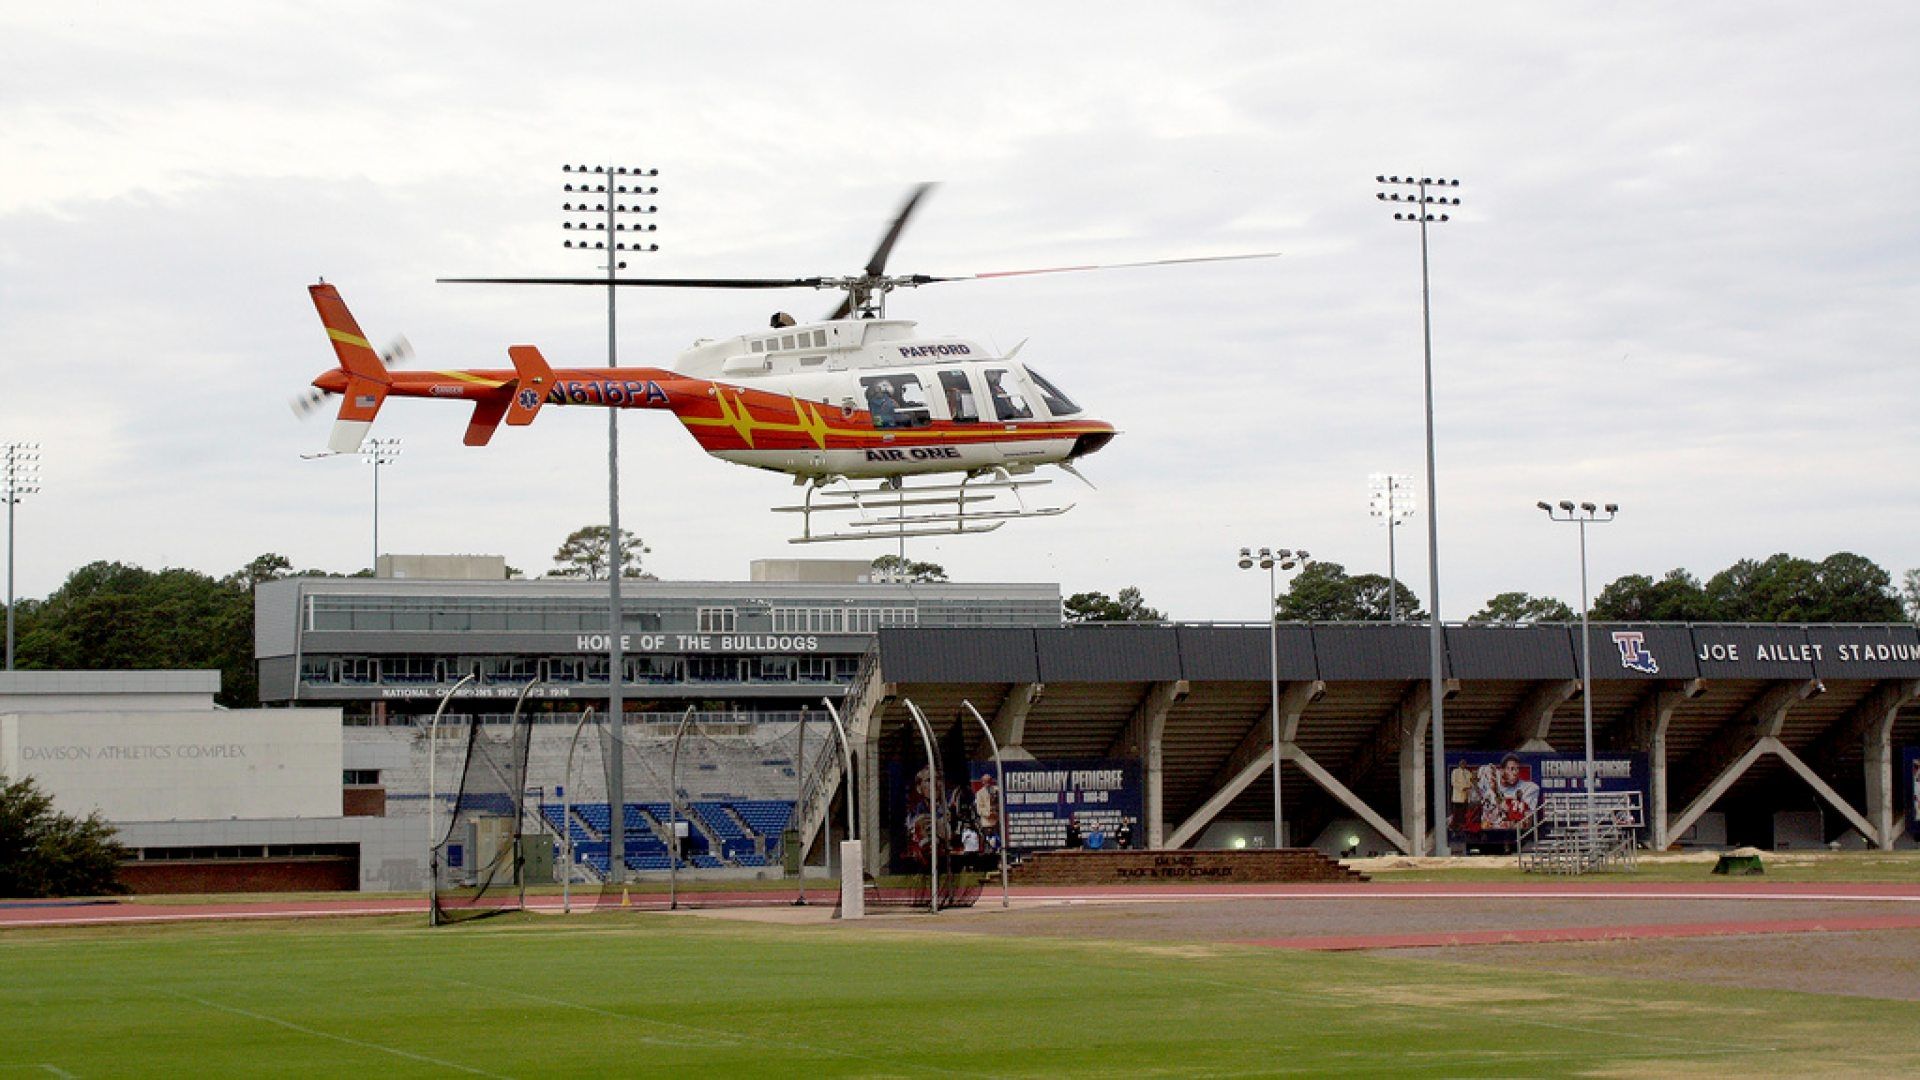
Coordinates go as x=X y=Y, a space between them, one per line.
x=1685 y=276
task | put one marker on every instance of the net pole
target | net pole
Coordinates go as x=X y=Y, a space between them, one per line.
x=520 y=794
x=433 y=805
x=566 y=815
x=933 y=804
x=846 y=761
x=673 y=805
x=1000 y=778
x=799 y=794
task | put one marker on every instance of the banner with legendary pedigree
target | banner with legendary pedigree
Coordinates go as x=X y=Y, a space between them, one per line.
x=1491 y=794
x=1091 y=803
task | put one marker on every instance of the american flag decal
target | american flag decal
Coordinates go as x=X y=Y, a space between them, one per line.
x=364 y=401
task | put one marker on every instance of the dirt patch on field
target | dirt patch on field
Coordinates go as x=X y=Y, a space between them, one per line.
x=1881 y=963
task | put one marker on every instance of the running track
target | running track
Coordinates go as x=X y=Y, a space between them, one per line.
x=1882 y=907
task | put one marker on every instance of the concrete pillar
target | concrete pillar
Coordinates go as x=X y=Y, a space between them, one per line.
x=1876 y=756
x=1009 y=722
x=1650 y=737
x=1413 y=785
x=1144 y=737
x=1411 y=718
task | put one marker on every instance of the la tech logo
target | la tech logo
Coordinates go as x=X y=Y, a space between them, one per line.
x=1633 y=652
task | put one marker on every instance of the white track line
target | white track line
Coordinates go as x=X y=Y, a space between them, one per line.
x=717 y=1034
x=291 y=1026
x=1162 y=898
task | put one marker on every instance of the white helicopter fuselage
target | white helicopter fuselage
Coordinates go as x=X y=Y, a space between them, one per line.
x=872 y=398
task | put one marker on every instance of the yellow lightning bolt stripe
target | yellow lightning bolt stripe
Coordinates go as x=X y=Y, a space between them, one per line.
x=810 y=421
x=984 y=433
x=347 y=339
x=462 y=376
x=737 y=416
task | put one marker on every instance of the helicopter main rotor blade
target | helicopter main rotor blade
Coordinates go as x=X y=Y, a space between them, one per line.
x=878 y=264
x=926 y=279
x=655 y=283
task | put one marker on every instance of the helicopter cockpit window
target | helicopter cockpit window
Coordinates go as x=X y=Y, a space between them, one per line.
x=896 y=401
x=1057 y=403
x=1008 y=402
x=960 y=404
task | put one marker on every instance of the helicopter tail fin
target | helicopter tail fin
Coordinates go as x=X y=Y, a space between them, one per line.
x=533 y=378
x=367 y=377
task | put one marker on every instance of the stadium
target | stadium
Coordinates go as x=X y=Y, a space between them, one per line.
x=1707 y=736
x=308 y=823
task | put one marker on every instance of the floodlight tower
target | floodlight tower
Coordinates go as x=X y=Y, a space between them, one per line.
x=19 y=477
x=1392 y=503
x=601 y=200
x=1420 y=211
x=1274 y=562
x=1584 y=515
x=378 y=452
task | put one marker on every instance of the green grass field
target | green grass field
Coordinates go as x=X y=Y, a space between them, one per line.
x=650 y=994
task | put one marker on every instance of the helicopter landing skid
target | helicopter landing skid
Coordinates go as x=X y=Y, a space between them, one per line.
x=888 y=509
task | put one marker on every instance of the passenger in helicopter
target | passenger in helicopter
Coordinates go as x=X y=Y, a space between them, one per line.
x=960 y=407
x=884 y=406
x=781 y=319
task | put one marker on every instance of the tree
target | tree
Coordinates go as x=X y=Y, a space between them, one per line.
x=584 y=554
x=895 y=568
x=1129 y=606
x=47 y=853
x=1910 y=593
x=111 y=616
x=1843 y=587
x=268 y=567
x=1323 y=592
x=1518 y=607
x=1855 y=589
x=1677 y=597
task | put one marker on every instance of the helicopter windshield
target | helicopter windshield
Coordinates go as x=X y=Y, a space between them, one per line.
x=1008 y=402
x=1058 y=403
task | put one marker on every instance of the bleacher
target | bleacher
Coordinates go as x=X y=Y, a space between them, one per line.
x=735 y=845
x=736 y=781
x=647 y=850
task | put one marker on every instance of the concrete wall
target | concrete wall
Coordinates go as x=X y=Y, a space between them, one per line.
x=94 y=691
x=166 y=766
x=392 y=850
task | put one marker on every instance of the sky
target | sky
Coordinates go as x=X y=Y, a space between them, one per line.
x=1683 y=278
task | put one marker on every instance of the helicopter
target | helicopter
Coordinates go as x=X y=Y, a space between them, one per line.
x=909 y=434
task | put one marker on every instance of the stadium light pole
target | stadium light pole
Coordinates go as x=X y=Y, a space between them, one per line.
x=1420 y=211
x=19 y=478
x=378 y=452
x=1274 y=563
x=1392 y=503
x=596 y=205
x=1583 y=515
